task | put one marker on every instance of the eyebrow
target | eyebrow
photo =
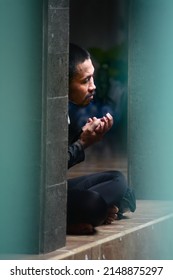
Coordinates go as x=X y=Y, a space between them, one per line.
x=89 y=75
x=86 y=77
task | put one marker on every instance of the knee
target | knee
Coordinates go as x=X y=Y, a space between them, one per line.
x=86 y=207
x=116 y=175
x=119 y=176
x=96 y=208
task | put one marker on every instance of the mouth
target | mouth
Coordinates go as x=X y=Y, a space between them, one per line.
x=90 y=95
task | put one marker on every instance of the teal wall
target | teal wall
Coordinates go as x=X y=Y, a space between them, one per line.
x=150 y=106
x=20 y=123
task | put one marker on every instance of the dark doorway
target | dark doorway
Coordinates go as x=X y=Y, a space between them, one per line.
x=102 y=28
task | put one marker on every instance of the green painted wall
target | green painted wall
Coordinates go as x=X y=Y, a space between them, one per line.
x=20 y=123
x=151 y=98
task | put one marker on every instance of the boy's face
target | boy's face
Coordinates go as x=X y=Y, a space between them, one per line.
x=82 y=87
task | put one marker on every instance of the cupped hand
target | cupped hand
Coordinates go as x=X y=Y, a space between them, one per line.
x=94 y=130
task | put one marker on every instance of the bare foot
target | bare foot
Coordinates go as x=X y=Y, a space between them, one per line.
x=112 y=215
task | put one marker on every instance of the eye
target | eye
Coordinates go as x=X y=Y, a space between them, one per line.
x=86 y=80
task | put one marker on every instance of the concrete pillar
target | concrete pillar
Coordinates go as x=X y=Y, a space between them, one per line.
x=55 y=125
x=150 y=111
x=33 y=122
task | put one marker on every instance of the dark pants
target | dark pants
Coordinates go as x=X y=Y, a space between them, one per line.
x=90 y=196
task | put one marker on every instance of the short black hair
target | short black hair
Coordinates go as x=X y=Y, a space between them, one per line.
x=76 y=55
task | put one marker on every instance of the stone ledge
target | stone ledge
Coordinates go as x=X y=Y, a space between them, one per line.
x=145 y=234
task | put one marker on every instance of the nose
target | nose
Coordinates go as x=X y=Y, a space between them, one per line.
x=92 y=86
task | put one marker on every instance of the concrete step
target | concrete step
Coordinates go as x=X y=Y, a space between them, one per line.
x=145 y=234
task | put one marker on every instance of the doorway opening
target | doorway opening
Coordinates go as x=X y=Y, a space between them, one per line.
x=102 y=28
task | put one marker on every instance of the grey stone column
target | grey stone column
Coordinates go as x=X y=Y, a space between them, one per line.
x=150 y=111
x=55 y=127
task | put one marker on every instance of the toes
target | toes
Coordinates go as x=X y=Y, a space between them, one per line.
x=112 y=215
x=115 y=209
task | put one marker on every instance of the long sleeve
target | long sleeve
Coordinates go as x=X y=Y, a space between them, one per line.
x=76 y=154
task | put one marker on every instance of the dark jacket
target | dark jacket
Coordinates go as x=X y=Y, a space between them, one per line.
x=76 y=152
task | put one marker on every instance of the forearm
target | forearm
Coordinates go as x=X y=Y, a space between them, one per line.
x=76 y=154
